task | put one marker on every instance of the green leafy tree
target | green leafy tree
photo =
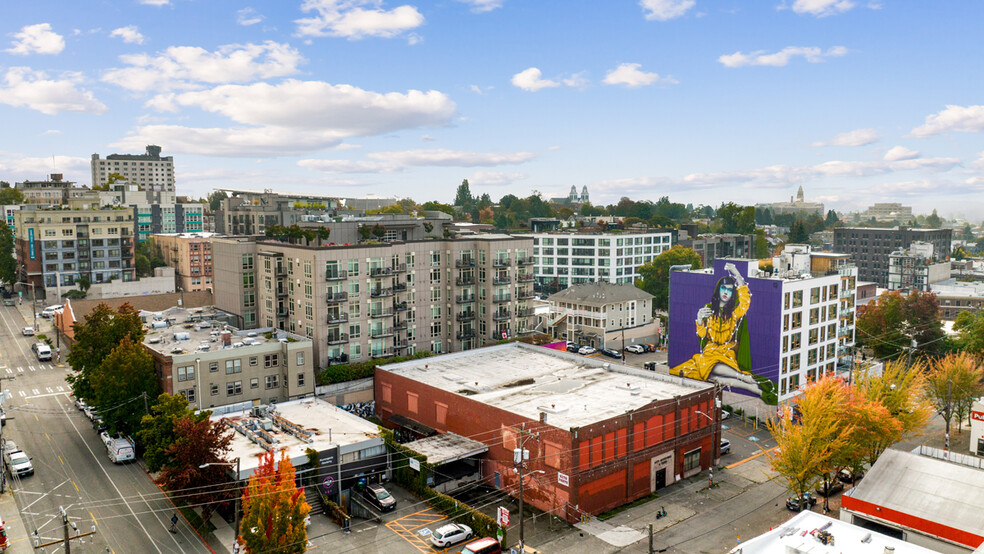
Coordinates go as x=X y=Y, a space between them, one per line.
x=158 y=429
x=438 y=207
x=95 y=339
x=378 y=231
x=121 y=385
x=149 y=256
x=274 y=509
x=953 y=384
x=889 y=324
x=198 y=443
x=736 y=219
x=656 y=274
x=8 y=262
x=463 y=196
x=970 y=332
x=761 y=245
x=832 y=220
x=10 y=196
x=933 y=221
x=323 y=233
x=215 y=199
x=798 y=233
x=966 y=233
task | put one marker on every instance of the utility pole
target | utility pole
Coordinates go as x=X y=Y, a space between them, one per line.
x=67 y=540
x=3 y=469
x=949 y=393
x=521 y=455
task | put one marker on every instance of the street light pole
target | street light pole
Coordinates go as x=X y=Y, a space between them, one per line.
x=238 y=490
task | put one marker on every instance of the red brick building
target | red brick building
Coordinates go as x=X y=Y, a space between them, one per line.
x=602 y=434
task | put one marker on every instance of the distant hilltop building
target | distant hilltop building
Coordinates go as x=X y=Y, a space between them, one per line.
x=889 y=211
x=572 y=198
x=150 y=171
x=794 y=206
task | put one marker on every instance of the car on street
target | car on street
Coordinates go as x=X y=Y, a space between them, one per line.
x=587 y=350
x=725 y=447
x=725 y=414
x=573 y=347
x=611 y=352
x=80 y=404
x=799 y=503
x=452 y=533
x=379 y=497
x=845 y=476
x=42 y=351
x=8 y=301
x=27 y=331
x=829 y=489
x=9 y=446
x=18 y=463
x=635 y=348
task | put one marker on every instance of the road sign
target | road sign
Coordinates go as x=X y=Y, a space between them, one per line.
x=563 y=479
x=503 y=518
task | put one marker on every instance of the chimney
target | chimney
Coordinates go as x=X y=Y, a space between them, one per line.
x=543 y=417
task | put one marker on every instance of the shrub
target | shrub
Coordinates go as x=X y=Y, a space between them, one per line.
x=349 y=372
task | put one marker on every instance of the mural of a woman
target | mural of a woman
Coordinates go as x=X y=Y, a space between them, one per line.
x=724 y=357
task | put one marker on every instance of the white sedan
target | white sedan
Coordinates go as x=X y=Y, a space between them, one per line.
x=449 y=534
x=587 y=350
x=28 y=331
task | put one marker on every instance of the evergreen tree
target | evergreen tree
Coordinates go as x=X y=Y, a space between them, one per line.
x=463 y=197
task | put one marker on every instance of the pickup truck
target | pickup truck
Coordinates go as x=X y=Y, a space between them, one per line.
x=120 y=449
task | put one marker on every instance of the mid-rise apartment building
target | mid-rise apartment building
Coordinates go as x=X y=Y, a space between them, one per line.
x=565 y=259
x=150 y=170
x=913 y=268
x=870 y=248
x=889 y=211
x=57 y=247
x=53 y=191
x=727 y=245
x=249 y=212
x=366 y=301
x=190 y=254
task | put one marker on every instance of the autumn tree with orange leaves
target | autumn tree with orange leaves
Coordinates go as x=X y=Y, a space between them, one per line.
x=274 y=509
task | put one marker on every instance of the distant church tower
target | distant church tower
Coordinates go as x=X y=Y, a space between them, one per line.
x=584 y=194
x=572 y=196
x=799 y=194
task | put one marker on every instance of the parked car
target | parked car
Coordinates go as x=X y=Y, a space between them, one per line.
x=635 y=348
x=611 y=352
x=9 y=446
x=650 y=347
x=573 y=347
x=798 y=503
x=449 y=534
x=845 y=476
x=487 y=545
x=120 y=449
x=586 y=350
x=725 y=414
x=829 y=489
x=42 y=351
x=27 y=331
x=18 y=463
x=379 y=497
x=50 y=311
x=725 y=447
x=80 y=404
x=8 y=301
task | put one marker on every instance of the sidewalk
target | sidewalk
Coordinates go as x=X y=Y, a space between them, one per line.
x=18 y=537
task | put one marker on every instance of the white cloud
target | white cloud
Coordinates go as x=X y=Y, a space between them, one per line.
x=395 y=161
x=349 y=19
x=857 y=137
x=16 y=167
x=248 y=16
x=190 y=66
x=960 y=119
x=130 y=34
x=494 y=178
x=52 y=132
x=822 y=8
x=530 y=80
x=900 y=153
x=155 y=2
x=292 y=117
x=37 y=39
x=482 y=6
x=663 y=10
x=25 y=87
x=811 y=54
x=347 y=166
x=630 y=75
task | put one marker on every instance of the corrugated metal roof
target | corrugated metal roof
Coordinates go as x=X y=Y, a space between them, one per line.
x=600 y=293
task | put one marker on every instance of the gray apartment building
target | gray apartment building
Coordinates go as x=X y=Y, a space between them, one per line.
x=250 y=212
x=871 y=247
x=150 y=170
x=372 y=300
x=728 y=245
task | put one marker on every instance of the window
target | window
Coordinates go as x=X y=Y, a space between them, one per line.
x=353 y=268
x=253 y=360
x=300 y=379
x=189 y=394
x=798 y=299
x=412 y=402
x=271 y=360
x=691 y=460
x=355 y=330
x=300 y=358
x=814 y=295
x=272 y=381
x=247 y=261
x=234 y=366
x=215 y=389
x=186 y=373
x=254 y=383
x=233 y=388
x=213 y=367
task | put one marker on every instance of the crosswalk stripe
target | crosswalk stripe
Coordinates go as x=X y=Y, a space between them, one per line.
x=22 y=393
x=20 y=369
x=9 y=370
x=35 y=391
x=31 y=367
x=49 y=389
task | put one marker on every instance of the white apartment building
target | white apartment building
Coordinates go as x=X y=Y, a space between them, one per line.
x=150 y=171
x=564 y=259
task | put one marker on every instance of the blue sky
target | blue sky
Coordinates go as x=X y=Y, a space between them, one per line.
x=703 y=101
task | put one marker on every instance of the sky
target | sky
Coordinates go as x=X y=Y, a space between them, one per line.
x=703 y=101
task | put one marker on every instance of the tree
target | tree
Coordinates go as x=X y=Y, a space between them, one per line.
x=118 y=384
x=148 y=256
x=322 y=233
x=8 y=262
x=463 y=197
x=274 y=509
x=761 y=245
x=158 y=429
x=736 y=219
x=933 y=221
x=438 y=207
x=198 y=443
x=952 y=385
x=901 y=389
x=890 y=323
x=798 y=234
x=656 y=274
x=10 y=196
x=95 y=338
x=84 y=284
x=215 y=199
x=832 y=220
x=970 y=332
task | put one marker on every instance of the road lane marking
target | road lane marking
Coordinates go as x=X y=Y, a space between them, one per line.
x=46 y=395
x=31 y=367
x=750 y=458
x=60 y=460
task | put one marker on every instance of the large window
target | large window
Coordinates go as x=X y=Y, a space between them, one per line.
x=233 y=388
x=691 y=460
x=272 y=381
x=186 y=373
x=234 y=366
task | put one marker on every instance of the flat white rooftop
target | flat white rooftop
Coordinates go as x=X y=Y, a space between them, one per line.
x=573 y=390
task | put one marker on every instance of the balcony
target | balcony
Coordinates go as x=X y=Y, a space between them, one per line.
x=464 y=262
x=400 y=325
x=465 y=334
x=399 y=344
x=464 y=281
x=526 y=295
x=280 y=270
x=400 y=268
x=399 y=287
x=525 y=277
x=498 y=299
x=335 y=319
x=525 y=312
x=844 y=332
x=847 y=294
x=501 y=279
x=382 y=353
x=338 y=338
x=282 y=311
x=501 y=315
x=333 y=298
x=336 y=275
x=380 y=333
x=380 y=313
x=524 y=261
x=380 y=271
x=846 y=312
x=465 y=298
x=399 y=306
x=281 y=291
x=465 y=316
x=380 y=292
x=340 y=359
x=502 y=262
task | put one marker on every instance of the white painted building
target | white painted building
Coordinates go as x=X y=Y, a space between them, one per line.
x=150 y=170
x=565 y=259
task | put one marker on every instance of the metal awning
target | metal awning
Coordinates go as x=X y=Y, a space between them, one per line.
x=411 y=425
x=447 y=447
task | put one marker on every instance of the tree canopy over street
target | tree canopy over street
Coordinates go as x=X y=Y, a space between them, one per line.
x=656 y=274
x=889 y=324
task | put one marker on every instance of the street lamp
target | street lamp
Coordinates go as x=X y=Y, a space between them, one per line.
x=238 y=490
x=710 y=469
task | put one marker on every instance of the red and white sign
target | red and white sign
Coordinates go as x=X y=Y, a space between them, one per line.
x=977 y=416
x=563 y=479
x=503 y=517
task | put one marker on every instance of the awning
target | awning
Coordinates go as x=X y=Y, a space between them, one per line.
x=411 y=425
x=447 y=447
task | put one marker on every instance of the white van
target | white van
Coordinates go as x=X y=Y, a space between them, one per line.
x=120 y=450
x=50 y=311
x=42 y=350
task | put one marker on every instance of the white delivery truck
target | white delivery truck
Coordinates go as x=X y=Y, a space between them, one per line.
x=120 y=450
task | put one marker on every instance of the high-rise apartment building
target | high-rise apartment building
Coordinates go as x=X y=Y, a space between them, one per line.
x=565 y=259
x=914 y=269
x=190 y=254
x=150 y=170
x=870 y=248
x=366 y=301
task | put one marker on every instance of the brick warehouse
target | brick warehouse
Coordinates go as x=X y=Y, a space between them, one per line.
x=602 y=434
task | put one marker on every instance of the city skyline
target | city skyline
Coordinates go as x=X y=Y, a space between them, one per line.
x=705 y=102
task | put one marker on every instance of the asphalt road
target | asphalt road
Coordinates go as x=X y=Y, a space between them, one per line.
x=72 y=470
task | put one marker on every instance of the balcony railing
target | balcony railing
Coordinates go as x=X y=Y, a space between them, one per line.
x=466 y=334
x=399 y=268
x=280 y=270
x=381 y=313
x=465 y=316
x=526 y=294
x=338 y=338
x=400 y=344
x=464 y=281
x=501 y=262
x=336 y=275
x=501 y=315
x=383 y=353
x=332 y=298
x=524 y=261
x=283 y=311
x=498 y=299
x=399 y=287
x=501 y=280
x=380 y=271
x=465 y=298
x=400 y=325
x=464 y=262
x=380 y=292
x=847 y=294
x=525 y=312
x=380 y=333
x=525 y=277
x=282 y=291
x=399 y=306
x=335 y=319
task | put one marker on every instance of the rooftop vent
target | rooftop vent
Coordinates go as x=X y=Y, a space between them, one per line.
x=552 y=409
